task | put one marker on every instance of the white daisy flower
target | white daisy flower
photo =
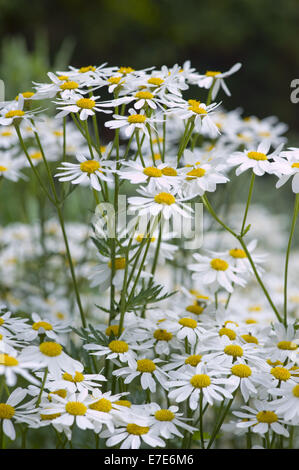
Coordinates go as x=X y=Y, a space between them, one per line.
x=154 y=203
x=132 y=435
x=134 y=121
x=165 y=421
x=283 y=343
x=288 y=403
x=74 y=382
x=50 y=354
x=10 y=167
x=85 y=107
x=260 y=419
x=285 y=166
x=147 y=371
x=159 y=177
x=12 y=365
x=51 y=330
x=255 y=159
x=216 y=271
x=201 y=178
x=73 y=409
x=116 y=349
x=86 y=172
x=206 y=80
x=10 y=411
x=194 y=383
x=199 y=113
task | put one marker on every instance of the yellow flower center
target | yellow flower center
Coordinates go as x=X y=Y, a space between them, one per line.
x=136 y=119
x=162 y=335
x=103 y=405
x=61 y=393
x=146 y=365
x=164 y=415
x=168 y=171
x=85 y=103
x=89 y=166
x=281 y=373
x=69 y=85
x=113 y=329
x=296 y=391
x=233 y=350
x=114 y=80
x=231 y=334
x=254 y=308
x=3 y=168
x=137 y=430
x=250 y=339
x=250 y=321
x=152 y=172
x=164 y=198
x=42 y=324
x=125 y=403
x=118 y=346
x=27 y=94
x=256 y=156
x=196 y=309
x=193 y=360
x=237 y=253
x=139 y=238
x=267 y=417
x=6 y=133
x=200 y=381
x=211 y=73
x=188 y=322
x=50 y=349
x=219 y=264
x=195 y=108
x=144 y=95
x=274 y=364
x=78 y=377
x=49 y=417
x=241 y=370
x=6 y=411
x=125 y=70
x=63 y=77
x=155 y=81
x=75 y=408
x=195 y=173
x=8 y=361
x=287 y=345
x=89 y=68
x=119 y=263
x=157 y=156
x=295 y=165
x=58 y=133
x=35 y=156
x=14 y=113
x=230 y=321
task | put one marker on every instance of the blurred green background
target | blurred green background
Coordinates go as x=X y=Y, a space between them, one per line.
x=43 y=35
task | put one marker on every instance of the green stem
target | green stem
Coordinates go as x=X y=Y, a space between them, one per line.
x=244 y=246
x=295 y=215
x=42 y=388
x=248 y=203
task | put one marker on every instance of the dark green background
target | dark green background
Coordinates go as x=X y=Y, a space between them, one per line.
x=262 y=34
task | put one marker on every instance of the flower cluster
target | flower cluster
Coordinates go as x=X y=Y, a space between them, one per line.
x=123 y=330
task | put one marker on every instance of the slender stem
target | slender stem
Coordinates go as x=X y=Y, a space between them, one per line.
x=201 y=420
x=295 y=215
x=248 y=203
x=42 y=388
x=220 y=422
x=244 y=246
